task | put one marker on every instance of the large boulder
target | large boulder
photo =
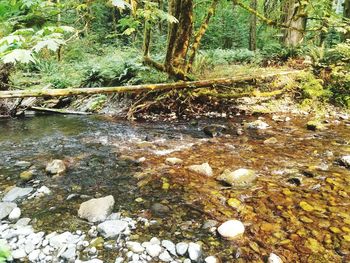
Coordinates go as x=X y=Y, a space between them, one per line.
x=6 y=208
x=96 y=209
x=240 y=177
x=17 y=193
x=55 y=167
x=203 y=169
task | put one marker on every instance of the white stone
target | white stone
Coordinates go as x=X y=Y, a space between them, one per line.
x=155 y=241
x=170 y=246
x=34 y=255
x=119 y=260
x=258 y=125
x=231 y=229
x=165 y=256
x=194 y=251
x=203 y=169
x=16 y=193
x=187 y=260
x=153 y=250
x=97 y=209
x=173 y=161
x=95 y=260
x=15 y=214
x=240 y=176
x=211 y=259
x=273 y=258
x=60 y=240
x=345 y=160
x=181 y=248
x=23 y=221
x=29 y=247
x=55 y=167
x=44 y=189
x=19 y=253
x=112 y=228
x=6 y=208
x=135 y=247
x=69 y=254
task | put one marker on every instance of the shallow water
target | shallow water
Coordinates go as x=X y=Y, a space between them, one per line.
x=102 y=155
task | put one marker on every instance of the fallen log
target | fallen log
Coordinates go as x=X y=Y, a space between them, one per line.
x=58 y=111
x=140 y=88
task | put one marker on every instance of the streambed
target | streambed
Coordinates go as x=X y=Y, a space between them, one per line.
x=298 y=208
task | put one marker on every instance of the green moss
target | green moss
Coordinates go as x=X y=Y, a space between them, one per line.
x=312 y=88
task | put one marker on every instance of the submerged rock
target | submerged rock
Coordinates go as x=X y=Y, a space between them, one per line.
x=238 y=177
x=345 y=161
x=231 y=229
x=271 y=140
x=112 y=228
x=315 y=126
x=17 y=193
x=273 y=258
x=96 y=209
x=173 y=161
x=26 y=175
x=6 y=208
x=55 y=167
x=214 y=130
x=257 y=125
x=160 y=209
x=203 y=169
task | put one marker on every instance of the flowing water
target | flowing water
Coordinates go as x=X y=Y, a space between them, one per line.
x=299 y=207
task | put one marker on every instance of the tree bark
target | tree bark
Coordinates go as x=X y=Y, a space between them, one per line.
x=203 y=28
x=347 y=16
x=296 y=21
x=252 y=27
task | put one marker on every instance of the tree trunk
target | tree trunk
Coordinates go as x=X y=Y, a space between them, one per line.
x=252 y=27
x=347 y=16
x=295 y=19
x=203 y=28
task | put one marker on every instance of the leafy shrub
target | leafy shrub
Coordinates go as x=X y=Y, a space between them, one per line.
x=312 y=88
x=4 y=253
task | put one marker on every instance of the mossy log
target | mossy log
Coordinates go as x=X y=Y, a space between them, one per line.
x=141 y=88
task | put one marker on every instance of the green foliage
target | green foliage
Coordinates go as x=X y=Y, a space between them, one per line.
x=4 y=253
x=24 y=45
x=312 y=88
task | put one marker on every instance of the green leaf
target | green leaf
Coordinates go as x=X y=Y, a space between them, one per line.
x=19 y=55
x=51 y=44
x=120 y=4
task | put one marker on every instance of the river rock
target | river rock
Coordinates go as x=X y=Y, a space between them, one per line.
x=135 y=247
x=6 y=208
x=270 y=141
x=194 y=251
x=17 y=193
x=165 y=256
x=170 y=246
x=345 y=161
x=26 y=175
x=214 y=130
x=257 y=125
x=181 y=248
x=273 y=258
x=173 y=161
x=96 y=209
x=160 y=209
x=211 y=259
x=55 y=167
x=15 y=214
x=153 y=250
x=203 y=169
x=231 y=229
x=238 y=177
x=112 y=228
x=69 y=254
x=34 y=255
x=19 y=253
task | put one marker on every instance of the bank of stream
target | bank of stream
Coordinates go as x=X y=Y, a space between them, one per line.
x=298 y=207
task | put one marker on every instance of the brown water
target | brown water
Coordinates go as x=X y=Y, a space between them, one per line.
x=299 y=207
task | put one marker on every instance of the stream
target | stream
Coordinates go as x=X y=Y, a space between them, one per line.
x=298 y=207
